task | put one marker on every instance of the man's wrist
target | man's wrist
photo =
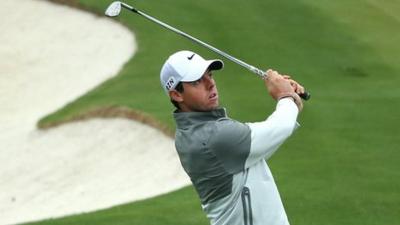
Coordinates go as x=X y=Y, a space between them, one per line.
x=295 y=98
x=290 y=96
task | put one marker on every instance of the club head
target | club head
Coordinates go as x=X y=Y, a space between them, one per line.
x=114 y=9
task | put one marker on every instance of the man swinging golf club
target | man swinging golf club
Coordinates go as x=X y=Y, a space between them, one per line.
x=224 y=158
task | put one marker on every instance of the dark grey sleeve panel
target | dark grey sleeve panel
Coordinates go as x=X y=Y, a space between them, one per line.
x=210 y=179
x=231 y=141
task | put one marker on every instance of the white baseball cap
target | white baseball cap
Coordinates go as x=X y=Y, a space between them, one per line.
x=185 y=66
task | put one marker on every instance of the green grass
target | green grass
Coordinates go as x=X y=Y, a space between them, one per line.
x=341 y=167
x=159 y=210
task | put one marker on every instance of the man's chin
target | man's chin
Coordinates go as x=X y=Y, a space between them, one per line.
x=214 y=106
x=210 y=108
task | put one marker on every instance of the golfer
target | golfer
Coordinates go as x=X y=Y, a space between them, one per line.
x=224 y=158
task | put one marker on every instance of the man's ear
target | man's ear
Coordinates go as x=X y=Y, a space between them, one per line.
x=175 y=95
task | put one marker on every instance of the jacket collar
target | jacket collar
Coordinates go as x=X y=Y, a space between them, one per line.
x=185 y=119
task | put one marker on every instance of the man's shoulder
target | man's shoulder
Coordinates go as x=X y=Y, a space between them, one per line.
x=230 y=126
x=227 y=132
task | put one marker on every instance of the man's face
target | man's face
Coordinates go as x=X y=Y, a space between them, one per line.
x=200 y=95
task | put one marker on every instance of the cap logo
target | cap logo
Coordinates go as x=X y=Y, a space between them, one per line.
x=170 y=83
x=191 y=57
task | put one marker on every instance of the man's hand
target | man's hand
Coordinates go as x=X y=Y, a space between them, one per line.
x=283 y=86
x=296 y=86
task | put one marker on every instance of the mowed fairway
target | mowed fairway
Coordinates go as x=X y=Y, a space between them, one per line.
x=342 y=165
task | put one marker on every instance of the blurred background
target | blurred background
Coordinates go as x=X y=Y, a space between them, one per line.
x=341 y=166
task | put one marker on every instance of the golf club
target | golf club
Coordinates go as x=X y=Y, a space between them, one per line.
x=114 y=9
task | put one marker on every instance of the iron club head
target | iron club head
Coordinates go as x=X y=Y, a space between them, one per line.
x=114 y=9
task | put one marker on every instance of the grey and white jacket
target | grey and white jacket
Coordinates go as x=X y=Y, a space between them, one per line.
x=225 y=160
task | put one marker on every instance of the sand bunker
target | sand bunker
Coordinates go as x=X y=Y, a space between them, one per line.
x=49 y=56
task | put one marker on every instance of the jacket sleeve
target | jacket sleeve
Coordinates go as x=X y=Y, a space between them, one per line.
x=268 y=135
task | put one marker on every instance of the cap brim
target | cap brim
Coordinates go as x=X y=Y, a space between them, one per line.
x=215 y=64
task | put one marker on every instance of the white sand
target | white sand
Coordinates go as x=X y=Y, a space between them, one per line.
x=49 y=56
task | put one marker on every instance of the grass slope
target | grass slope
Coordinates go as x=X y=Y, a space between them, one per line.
x=341 y=167
x=183 y=209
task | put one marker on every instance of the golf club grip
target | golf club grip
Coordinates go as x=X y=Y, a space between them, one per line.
x=305 y=96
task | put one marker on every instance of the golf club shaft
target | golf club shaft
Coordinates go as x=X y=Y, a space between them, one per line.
x=253 y=69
